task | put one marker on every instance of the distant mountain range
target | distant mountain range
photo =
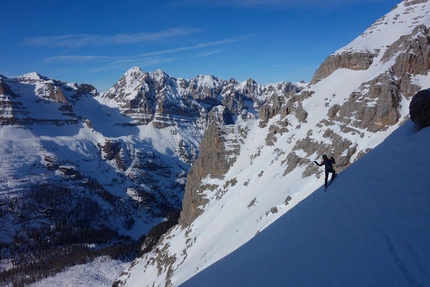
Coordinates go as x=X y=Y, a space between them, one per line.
x=111 y=166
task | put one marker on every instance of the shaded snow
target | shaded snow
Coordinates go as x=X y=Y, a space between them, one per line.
x=99 y=273
x=370 y=228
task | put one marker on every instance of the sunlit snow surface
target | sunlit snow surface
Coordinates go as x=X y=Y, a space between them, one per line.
x=370 y=228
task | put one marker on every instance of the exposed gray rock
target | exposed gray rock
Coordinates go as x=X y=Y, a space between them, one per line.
x=52 y=92
x=293 y=160
x=213 y=161
x=289 y=104
x=84 y=89
x=333 y=111
x=270 y=109
x=10 y=107
x=49 y=94
x=5 y=89
x=301 y=114
x=419 y=109
x=347 y=60
x=376 y=108
x=110 y=149
x=278 y=129
x=415 y=53
x=220 y=115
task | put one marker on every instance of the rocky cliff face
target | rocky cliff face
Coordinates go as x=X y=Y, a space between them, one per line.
x=346 y=60
x=213 y=161
x=20 y=109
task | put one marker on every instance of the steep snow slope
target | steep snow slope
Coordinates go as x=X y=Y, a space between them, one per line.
x=257 y=189
x=369 y=229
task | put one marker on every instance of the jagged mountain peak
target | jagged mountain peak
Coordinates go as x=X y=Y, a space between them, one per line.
x=135 y=79
x=159 y=74
x=207 y=80
x=250 y=81
x=32 y=76
x=133 y=72
x=136 y=74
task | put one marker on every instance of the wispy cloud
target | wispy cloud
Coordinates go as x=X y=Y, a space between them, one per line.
x=134 y=58
x=204 y=55
x=75 y=41
x=143 y=59
x=194 y=47
x=77 y=58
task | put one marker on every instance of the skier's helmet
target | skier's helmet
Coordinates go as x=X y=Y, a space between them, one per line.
x=324 y=156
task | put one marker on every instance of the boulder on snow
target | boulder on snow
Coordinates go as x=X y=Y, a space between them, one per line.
x=419 y=108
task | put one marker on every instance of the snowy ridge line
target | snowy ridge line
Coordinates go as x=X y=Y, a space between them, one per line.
x=391 y=26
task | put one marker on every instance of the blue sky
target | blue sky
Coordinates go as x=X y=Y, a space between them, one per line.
x=96 y=41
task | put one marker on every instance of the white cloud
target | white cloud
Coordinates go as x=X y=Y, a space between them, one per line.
x=204 y=55
x=76 y=58
x=143 y=59
x=139 y=57
x=80 y=40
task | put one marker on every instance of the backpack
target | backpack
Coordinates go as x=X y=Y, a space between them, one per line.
x=329 y=163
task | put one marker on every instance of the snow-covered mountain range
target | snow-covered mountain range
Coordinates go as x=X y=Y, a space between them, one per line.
x=110 y=166
x=84 y=172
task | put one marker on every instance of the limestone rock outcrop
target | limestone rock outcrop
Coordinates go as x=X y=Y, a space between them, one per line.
x=213 y=161
x=347 y=60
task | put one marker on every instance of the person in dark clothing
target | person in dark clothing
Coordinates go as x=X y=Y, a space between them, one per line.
x=328 y=163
